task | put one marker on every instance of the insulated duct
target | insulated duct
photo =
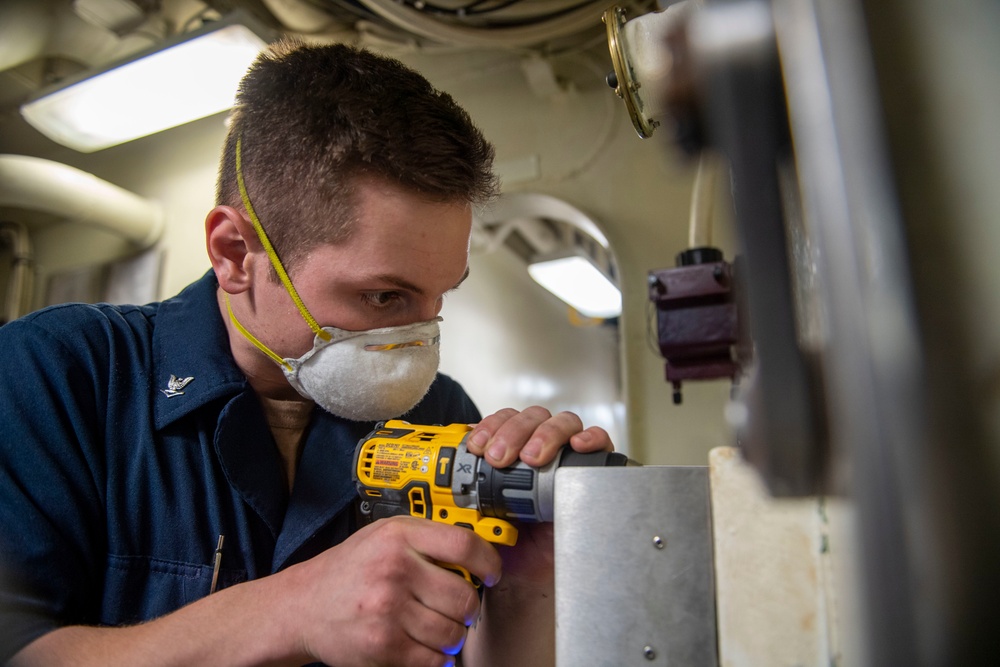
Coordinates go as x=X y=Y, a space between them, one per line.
x=36 y=184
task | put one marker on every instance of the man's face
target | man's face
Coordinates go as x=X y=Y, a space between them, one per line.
x=403 y=256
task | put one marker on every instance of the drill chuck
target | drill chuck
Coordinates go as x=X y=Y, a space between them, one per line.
x=523 y=493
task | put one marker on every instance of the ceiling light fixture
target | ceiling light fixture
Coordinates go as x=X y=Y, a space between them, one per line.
x=183 y=80
x=578 y=281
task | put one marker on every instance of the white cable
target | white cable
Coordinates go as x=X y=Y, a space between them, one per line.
x=535 y=10
x=702 y=200
x=418 y=23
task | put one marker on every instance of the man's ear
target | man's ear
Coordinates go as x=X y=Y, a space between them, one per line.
x=231 y=239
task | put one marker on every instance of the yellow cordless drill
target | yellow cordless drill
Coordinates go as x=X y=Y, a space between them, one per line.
x=427 y=471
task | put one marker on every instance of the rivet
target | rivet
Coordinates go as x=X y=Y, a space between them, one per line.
x=659 y=542
x=648 y=652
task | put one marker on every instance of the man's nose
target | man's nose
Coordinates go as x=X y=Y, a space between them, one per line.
x=431 y=308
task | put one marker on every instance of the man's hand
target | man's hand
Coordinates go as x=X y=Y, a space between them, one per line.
x=380 y=599
x=406 y=609
x=534 y=435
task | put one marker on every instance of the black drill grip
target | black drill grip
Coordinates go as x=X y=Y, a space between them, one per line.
x=571 y=457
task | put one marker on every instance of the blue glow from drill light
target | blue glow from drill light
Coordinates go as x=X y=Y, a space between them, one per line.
x=454 y=650
x=578 y=282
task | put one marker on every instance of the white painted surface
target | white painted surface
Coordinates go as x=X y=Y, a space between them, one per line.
x=780 y=567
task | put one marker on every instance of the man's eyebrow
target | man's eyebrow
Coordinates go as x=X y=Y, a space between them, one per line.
x=405 y=284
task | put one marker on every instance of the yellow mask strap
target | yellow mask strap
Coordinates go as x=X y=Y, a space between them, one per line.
x=275 y=262
x=253 y=339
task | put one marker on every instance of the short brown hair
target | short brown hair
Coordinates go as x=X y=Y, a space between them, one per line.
x=313 y=119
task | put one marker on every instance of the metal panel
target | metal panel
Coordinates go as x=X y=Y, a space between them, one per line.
x=634 y=580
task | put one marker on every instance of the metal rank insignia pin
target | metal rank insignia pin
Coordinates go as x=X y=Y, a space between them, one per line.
x=175 y=385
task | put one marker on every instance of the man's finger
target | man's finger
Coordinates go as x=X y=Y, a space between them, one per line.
x=442 y=543
x=448 y=593
x=432 y=629
x=549 y=437
x=507 y=440
x=592 y=439
x=481 y=433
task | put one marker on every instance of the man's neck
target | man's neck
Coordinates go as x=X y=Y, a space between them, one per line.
x=288 y=421
x=263 y=374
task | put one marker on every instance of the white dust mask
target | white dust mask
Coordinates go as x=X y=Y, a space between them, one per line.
x=369 y=375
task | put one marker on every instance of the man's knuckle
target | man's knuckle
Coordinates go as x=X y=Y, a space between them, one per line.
x=466 y=542
x=454 y=634
x=442 y=632
x=394 y=527
x=380 y=601
x=468 y=602
x=504 y=414
x=380 y=639
x=538 y=412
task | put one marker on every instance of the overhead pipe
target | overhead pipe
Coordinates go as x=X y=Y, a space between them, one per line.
x=299 y=16
x=78 y=197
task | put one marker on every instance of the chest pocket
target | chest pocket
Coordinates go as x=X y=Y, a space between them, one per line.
x=141 y=588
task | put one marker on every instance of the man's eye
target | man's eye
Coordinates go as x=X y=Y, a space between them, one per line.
x=381 y=299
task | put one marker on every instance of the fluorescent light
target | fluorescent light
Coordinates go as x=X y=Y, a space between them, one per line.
x=578 y=282
x=189 y=80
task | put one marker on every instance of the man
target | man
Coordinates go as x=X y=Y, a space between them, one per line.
x=175 y=482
